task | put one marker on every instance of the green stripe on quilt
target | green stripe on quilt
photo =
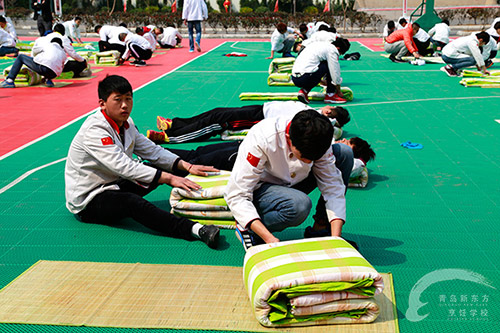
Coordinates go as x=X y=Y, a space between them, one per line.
x=275 y=318
x=294 y=248
x=298 y=267
x=215 y=202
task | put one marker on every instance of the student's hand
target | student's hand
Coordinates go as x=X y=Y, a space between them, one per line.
x=185 y=22
x=201 y=170
x=260 y=229
x=417 y=55
x=121 y=61
x=269 y=57
x=184 y=183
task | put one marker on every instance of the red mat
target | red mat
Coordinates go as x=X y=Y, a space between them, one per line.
x=30 y=113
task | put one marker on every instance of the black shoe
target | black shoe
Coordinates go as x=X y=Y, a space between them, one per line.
x=209 y=234
x=353 y=244
x=394 y=59
x=310 y=233
x=140 y=63
x=248 y=239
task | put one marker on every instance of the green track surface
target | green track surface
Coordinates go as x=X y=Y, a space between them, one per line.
x=423 y=210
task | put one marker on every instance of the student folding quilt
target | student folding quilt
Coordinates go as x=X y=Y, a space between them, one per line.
x=207 y=205
x=313 y=281
x=291 y=96
x=107 y=58
x=26 y=76
x=281 y=65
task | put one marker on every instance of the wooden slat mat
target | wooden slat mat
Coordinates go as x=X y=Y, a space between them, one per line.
x=149 y=296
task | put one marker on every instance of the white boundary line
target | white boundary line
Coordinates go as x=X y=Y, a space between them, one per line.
x=86 y=114
x=497 y=120
x=244 y=49
x=27 y=173
x=366 y=47
x=422 y=100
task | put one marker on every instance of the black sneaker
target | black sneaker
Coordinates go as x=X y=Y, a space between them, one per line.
x=140 y=63
x=310 y=233
x=209 y=234
x=248 y=239
x=394 y=59
x=488 y=63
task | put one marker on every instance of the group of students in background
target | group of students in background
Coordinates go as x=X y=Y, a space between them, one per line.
x=477 y=49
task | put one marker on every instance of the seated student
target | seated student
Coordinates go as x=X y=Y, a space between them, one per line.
x=440 y=34
x=490 y=50
x=7 y=44
x=402 y=23
x=210 y=123
x=389 y=28
x=8 y=27
x=48 y=60
x=313 y=63
x=169 y=37
x=109 y=36
x=463 y=52
x=104 y=184
x=79 y=64
x=282 y=40
x=493 y=30
x=137 y=47
x=279 y=162
x=422 y=41
x=400 y=42
x=72 y=29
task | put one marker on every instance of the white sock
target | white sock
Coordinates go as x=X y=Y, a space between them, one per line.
x=9 y=80
x=195 y=230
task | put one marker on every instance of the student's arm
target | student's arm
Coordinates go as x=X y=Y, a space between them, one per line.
x=476 y=53
x=332 y=188
x=272 y=55
x=260 y=229
x=409 y=43
x=70 y=50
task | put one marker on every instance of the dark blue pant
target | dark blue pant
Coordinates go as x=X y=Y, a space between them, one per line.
x=23 y=59
x=8 y=49
x=459 y=63
x=197 y=26
x=310 y=80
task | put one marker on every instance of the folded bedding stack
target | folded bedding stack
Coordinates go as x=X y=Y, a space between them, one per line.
x=206 y=206
x=107 y=58
x=471 y=73
x=313 y=281
x=281 y=65
x=359 y=174
x=291 y=96
x=87 y=55
x=26 y=76
x=280 y=79
x=488 y=82
x=25 y=46
x=229 y=135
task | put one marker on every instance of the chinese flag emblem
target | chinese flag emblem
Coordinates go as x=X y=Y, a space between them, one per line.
x=107 y=141
x=254 y=161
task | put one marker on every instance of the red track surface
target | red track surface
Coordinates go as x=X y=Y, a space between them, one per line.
x=29 y=113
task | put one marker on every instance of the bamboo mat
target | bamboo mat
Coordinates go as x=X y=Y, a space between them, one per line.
x=149 y=296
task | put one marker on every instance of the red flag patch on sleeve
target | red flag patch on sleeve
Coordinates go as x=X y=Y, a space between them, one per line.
x=254 y=161
x=107 y=141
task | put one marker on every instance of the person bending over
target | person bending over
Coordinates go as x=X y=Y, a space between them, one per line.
x=464 y=52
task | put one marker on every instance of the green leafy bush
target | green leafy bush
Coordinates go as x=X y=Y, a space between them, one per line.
x=245 y=10
x=311 y=10
x=261 y=9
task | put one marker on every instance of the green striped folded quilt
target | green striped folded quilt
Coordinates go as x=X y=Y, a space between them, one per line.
x=107 y=58
x=314 y=281
x=281 y=65
x=25 y=77
x=472 y=73
x=280 y=79
x=481 y=82
x=229 y=135
x=290 y=96
x=206 y=205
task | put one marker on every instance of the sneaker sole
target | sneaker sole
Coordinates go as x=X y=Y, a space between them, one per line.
x=198 y=48
x=213 y=242
x=244 y=243
x=335 y=102
x=303 y=99
x=162 y=124
x=442 y=69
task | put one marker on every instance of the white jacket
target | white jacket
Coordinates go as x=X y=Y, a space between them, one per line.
x=422 y=36
x=169 y=36
x=265 y=157
x=464 y=47
x=6 y=39
x=309 y=59
x=51 y=55
x=194 y=10
x=137 y=40
x=115 y=33
x=321 y=36
x=277 y=39
x=68 y=48
x=97 y=159
x=151 y=38
x=71 y=30
x=441 y=33
x=491 y=31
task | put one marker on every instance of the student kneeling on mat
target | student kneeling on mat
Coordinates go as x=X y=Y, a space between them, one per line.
x=104 y=184
x=279 y=162
x=137 y=47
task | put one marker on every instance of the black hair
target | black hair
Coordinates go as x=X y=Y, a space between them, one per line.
x=484 y=36
x=342 y=44
x=97 y=28
x=391 y=25
x=122 y=36
x=161 y=30
x=59 y=28
x=78 y=18
x=332 y=30
x=57 y=40
x=341 y=115
x=113 y=84
x=2 y=19
x=497 y=25
x=139 y=30
x=122 y=24
x=415 y=24
x=171 y=25
x=362 y=149
x=323 y=27
x=445 y=21
x=311 y=133
x=281 y=27
x=303 y=28
x=402 y=20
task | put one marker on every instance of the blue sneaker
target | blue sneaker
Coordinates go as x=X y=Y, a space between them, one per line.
x=248 y=239
x=7 y=84
x=49 y=83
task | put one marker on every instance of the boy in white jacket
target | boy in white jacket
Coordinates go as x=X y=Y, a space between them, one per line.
x=193 y=12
